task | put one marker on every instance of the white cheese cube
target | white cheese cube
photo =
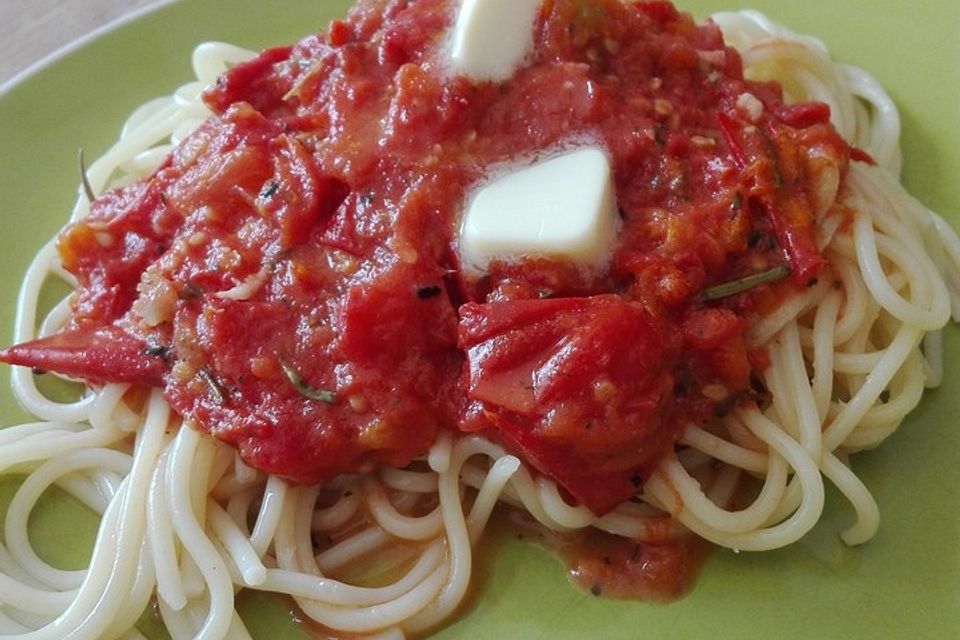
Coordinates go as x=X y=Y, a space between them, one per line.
x=491 y=38
x=563 y=207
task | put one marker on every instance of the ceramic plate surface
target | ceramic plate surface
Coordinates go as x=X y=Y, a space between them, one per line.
x=903 y=583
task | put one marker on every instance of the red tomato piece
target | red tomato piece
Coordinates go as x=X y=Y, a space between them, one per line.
x=101 y=354
x=579 y=384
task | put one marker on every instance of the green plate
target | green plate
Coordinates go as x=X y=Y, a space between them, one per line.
x=903 y=583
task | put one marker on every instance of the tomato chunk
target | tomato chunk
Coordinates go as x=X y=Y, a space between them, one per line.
x=578 y=384
x=98 y=354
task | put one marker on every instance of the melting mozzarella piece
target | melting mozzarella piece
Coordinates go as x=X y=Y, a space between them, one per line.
x=563 y=207
x=491 y=38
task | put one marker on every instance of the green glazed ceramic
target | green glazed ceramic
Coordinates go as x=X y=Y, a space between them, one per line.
x=905 y=583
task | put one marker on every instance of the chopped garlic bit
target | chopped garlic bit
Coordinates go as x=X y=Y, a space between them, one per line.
x=157 y=299
x=246 y=289
x=750 y=105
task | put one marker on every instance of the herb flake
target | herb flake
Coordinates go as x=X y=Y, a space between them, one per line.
x=428 y=292
x=746 y=283
x=304 y=389
x=84 y=180
x=213 y=386
x=269 y=189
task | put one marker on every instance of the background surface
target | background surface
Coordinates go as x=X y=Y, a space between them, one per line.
x=33 y=29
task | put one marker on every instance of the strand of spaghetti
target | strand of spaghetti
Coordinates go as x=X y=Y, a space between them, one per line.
x=856 y=363
x=796 y=398
x=56 y=318
x=876 y=382
x=376 y=617
x=182 y=492
x=824 y=327
x=109 y=413
x=187 y=621
x=724 y=486
x=160 y=538
x=268 y=517
x=237 y=545
x=500 y=473
x=338 y=514
x=723 y=450
x=896 y=213
x=865 y=507
x=176 y=622
x=34 y=449
x=242 y=472
x=522 y=490
x=558 y=510
x=12 y=569
x=130 y=579
x=800 y=63
x=951 y=248
x=623 y=521
x=156 y=128
x=803 y=518
x=134 y=601
x=333 y=592
x=882 y=132
x=93 y=490
x=38 y=431
x=459 y=553
x=932 y=356
x=211 y=59
x=117 y=572
x=720 y=519
x=239 y=506
x=768 y=326
x=658 y=528
x=869 y=244
x=393 y=522
x=14 y=593
x=348 y=550
x=880 y=420
x=409 y=481
x=287 y=544
x=239 y=481
x=857 y=303
x=22 y=380
x=27 y=497
x=9 y=626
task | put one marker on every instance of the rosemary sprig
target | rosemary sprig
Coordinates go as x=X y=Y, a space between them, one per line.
x=308 y=392
x=745 y=283
x=213 y=386
x=84 y=180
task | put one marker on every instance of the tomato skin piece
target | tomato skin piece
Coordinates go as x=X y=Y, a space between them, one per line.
x=244 y=81
x=579 y=384
x=658 y=10
x=301 y=197
x=100 y=354
x=803 y=114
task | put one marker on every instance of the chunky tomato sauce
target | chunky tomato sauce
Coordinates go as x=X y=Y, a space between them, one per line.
x=289 y=276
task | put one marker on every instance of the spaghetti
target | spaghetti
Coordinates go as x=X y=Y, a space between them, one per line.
x=187 y=522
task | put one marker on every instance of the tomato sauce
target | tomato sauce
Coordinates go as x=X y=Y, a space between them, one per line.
x=616 y=567
x=289 y=276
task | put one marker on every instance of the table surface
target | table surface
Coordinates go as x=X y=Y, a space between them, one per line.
x=30 y=30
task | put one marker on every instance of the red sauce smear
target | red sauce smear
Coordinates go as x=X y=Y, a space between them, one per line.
x=614 y=567
x=289 y=276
